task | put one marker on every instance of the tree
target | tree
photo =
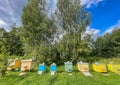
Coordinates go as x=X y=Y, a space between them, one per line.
x=38 y=29
x=108 y=45
x=16 y=42
x=11 y=42
x=41 y=32
x=2 y=32
x=3 y=56
x=73 y=20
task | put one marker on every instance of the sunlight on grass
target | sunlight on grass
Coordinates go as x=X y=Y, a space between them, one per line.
x=60 y=78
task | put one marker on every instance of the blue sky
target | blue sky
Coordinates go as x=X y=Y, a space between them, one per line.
x=105 y=13
x=105 y=16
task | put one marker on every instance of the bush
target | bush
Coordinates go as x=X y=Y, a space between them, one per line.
x=91 y=59
x=3 y=65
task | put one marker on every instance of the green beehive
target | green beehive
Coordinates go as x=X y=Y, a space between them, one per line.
x=68 y=66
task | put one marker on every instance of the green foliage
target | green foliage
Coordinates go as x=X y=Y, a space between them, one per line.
x=38 y=29
x=73 y=20
x=108 y=45
x=40 y=32
x=3 y=65
x=91 y=59
x=10 y=42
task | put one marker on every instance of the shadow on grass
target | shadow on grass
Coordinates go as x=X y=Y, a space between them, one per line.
x=60 y=71
x=76 y=71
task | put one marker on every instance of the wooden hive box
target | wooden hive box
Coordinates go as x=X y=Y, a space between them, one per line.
x=68 y=66
x=84 y=67
x=14 y=64
x=27 y=65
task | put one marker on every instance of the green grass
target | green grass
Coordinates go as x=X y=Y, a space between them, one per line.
x=60 y=78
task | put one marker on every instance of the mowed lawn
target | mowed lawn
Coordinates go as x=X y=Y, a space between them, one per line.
x=60 y=78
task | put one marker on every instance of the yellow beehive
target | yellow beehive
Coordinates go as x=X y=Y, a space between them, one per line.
x=14 y=65
x=114 y=67
x=27 y=65
x=98 y=67
x=83 y=67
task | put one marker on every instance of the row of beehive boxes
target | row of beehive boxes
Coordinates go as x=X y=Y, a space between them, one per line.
x=99 y=67
x=22 y=65
x=82 y=66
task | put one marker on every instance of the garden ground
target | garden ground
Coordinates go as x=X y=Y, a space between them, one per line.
x=60 y=78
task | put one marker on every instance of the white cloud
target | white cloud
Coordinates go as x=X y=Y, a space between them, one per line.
x=95 y=32
x=10 y=12
x=2 y=23
x=91 y=31
x=89 y=3
x=110 y=29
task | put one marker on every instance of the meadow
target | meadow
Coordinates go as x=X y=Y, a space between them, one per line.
x=60 y=78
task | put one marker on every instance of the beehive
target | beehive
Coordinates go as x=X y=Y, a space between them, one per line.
x=99 y=67
x=42 y=67
x=17 y=64
x=114 y=67
x=14 y=64
x=53 y=67
x=27 y=65
x=68 y=66
x=82 y=66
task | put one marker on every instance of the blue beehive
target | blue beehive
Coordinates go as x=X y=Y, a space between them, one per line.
x=42 y=67
x=53 y=67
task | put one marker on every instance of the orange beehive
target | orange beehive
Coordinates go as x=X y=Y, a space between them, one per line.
x=14 y=64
